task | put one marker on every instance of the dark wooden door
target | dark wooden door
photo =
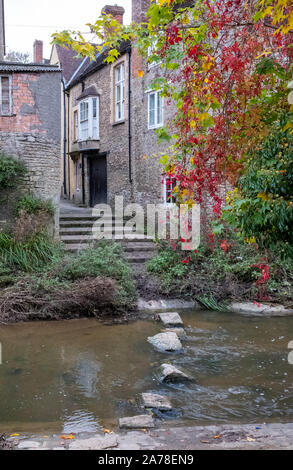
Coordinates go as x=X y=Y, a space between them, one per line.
x=98 y=180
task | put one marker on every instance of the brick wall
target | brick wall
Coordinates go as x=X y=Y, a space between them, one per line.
x=32 y=135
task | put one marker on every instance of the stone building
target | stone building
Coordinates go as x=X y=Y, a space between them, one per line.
x=2 y=31
x=30 y=125
x=113 y=115
x=66 y=59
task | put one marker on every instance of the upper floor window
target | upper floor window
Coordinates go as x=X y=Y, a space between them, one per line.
x=5 y=95
x=89 y=119
x=119 y=92
x=155 y=109
x=75 y=126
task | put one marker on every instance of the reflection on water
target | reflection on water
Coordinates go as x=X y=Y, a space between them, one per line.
x=81 y=376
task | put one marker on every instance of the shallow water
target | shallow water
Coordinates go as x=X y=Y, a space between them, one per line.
x=81 y=375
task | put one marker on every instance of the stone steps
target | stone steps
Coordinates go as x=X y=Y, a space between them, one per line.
x=139 y=256
x=77 y=231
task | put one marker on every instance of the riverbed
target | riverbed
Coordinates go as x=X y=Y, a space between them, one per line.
x=82 y=376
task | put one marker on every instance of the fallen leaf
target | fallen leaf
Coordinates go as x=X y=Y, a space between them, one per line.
x=218 y=436
x=140 y=73
x=107 y=431
x=14 y=435
x=67 y=436
x=250 y=439
x=205 y=442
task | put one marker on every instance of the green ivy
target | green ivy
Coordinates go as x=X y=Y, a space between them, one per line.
x=10 y=171
x=262 y=207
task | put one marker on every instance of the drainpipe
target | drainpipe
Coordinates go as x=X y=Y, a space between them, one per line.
x=68 y=140
x=129 y=116
x=83 y=177
x=64 y=138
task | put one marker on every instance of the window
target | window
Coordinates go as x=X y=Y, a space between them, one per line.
x=5 y=95
x=89 y=119
x=155 y=109
x=169 y=184
x=75 y=126
x=119 y=92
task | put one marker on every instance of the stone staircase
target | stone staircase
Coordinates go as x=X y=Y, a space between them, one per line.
x=78 y=229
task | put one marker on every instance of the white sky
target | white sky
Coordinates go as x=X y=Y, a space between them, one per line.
x=27 y=20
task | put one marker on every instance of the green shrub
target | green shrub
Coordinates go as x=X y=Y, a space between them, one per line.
x=105 y=260
x=10 y=172
x=28 y=255
x=32 y=205
x=261 y=207
x=168 y=265
x=221 y=274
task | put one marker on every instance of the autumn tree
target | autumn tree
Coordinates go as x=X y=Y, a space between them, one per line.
x=226 y=66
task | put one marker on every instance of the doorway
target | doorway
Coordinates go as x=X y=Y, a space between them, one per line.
x=98 y=179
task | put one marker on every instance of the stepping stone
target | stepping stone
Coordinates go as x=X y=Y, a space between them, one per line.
x=95 y=443
x=160 y=402
x=29 y=445
x=180 y=332
x=137 y=422
x=171 y=319
x=168 y=342
x=169 y=373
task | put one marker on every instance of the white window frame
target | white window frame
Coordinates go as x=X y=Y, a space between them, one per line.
x=157 y=123
x=93 y=122
x=165 y=201
x=10 y=95
x=76 y=125
x=119 y=92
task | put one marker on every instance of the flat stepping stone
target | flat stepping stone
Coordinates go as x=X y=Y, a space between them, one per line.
x=168 y=342
x=137 y=422
x=171 y=319
x=95 y=443
x=29 y=445
x=180 y=332
x=169 y=373
x=159 y=402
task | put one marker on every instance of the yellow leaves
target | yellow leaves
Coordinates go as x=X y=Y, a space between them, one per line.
x=14 y=435
x=192 y=124
x=204 y=117
x=281 y=13
x=67 y=436
x=265 y=53
x=263 y=196
x=208 y=63
x=250 y=240
x=140 y=73
x=107 y=431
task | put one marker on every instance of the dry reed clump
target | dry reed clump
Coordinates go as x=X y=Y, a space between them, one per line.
x=27 y=225
x=23 y=302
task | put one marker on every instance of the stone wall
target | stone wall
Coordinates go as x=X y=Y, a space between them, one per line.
x=113 y=136
x=32 y=135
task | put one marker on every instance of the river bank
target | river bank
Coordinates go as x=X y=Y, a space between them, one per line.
x=272 y=436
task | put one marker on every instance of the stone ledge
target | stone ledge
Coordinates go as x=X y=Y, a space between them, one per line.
x=251 y=308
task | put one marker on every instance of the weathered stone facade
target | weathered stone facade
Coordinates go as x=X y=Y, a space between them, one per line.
x=131 y=147
x=31 y=131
